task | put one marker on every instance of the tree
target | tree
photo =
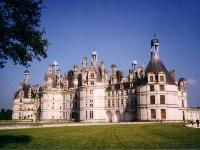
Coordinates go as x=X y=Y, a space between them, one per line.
x=21 y=39
x=5 y=114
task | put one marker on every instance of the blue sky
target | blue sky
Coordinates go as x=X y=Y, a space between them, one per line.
x=121 y=31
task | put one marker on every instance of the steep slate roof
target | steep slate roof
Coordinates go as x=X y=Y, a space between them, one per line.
x=126 y=85
x=155 y=66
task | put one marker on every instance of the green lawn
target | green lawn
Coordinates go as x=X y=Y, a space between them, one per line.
x=174 y=135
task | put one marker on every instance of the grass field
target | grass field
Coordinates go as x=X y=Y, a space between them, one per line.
x=174 y=135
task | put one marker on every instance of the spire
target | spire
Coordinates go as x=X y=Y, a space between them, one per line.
x=55 y=65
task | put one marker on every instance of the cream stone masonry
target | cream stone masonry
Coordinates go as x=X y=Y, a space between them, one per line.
x=93 y=95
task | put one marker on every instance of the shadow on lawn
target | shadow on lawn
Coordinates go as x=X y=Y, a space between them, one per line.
x=13 y=139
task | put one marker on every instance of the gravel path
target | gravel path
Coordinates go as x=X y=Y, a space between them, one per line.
x=192 y=126
x=66 y=124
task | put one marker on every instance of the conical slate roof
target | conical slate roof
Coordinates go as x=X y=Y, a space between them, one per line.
x=155 y=66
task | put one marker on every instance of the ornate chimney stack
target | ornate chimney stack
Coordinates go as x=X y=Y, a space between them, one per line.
x=75 y=72
x=94 y=58
x=114 y=75
x=84 y=64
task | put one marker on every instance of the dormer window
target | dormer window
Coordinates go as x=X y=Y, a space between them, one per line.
x=161 y=78
x=151 y=78
x=121 y=86
x=92 y=76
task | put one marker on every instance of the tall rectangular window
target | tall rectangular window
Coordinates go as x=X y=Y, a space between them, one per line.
x=86 y=114
x=162 y=99
x=126 y=92
x=151 y=78
x=92 y=82
x=91 y=91
x=163 y=114
x=122 y=102
x=151 y=87
x=108 y=103
x=91 y=114
x=153 y=114
x=91 y=103
x=162 y=87
x=92 y=76
x=117 y=103
x=113 y=103
x=127 y=102
x=152 y=99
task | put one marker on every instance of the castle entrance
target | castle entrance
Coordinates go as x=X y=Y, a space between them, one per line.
x=118 y=116
x=109 y=116
x=127 y=116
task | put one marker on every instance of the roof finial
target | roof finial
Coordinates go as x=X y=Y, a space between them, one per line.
x=154 y=35
x=94 y=51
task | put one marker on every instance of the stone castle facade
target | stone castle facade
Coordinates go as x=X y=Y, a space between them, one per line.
x=93 y=95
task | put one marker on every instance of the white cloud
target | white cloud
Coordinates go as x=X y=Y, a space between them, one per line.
x=191 y=81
